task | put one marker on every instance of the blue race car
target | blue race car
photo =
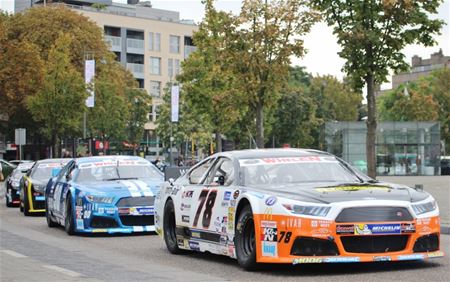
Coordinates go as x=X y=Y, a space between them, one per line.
x=108 y=194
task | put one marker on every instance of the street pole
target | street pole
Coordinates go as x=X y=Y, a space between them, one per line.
x=171 y=142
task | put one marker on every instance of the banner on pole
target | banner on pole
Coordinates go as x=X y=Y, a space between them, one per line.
x=175 y=97
x=89 y=73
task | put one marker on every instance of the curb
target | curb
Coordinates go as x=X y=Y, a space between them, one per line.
x=445 y=229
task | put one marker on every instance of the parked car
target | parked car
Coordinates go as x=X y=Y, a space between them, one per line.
x=13 y=183
x=294 y=206
x=110 y=194
x=33 y=185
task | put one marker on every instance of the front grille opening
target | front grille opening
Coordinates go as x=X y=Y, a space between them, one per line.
x=308 y=246
x=374 y=214
x=103 y=222
x=137 y=220
x=374 y=244
x=427 y=243
x=136 y=201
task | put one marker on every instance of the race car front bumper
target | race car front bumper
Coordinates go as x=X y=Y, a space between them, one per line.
x=296 y=240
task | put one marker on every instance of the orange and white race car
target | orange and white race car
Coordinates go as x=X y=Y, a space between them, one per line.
x=294 y=206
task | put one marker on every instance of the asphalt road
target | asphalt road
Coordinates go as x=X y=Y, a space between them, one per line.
x=30 y=251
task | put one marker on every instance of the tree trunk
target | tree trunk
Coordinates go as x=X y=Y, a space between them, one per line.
x=371 y=127
x=218 y=142
x=260 y=125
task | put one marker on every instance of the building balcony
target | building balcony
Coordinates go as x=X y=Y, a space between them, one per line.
x=188 y=50
x=135 y=46
x=115 y=42
x=136 y=69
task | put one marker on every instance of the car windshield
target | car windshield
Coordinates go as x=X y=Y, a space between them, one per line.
x=291 y=170
x=17 y=174
x=43 y=171
x=116 y=170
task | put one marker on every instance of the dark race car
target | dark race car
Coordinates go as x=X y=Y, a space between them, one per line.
x=12 y=196
x=32 y=189
x=110 y=194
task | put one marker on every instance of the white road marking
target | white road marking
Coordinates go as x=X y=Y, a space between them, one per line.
x=63 y=270
x=14 y=254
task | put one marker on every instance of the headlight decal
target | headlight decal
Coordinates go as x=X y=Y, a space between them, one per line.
x=308 y=210
x=100 y=199
x=424 y=207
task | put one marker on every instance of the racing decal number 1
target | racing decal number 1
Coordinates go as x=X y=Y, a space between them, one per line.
x=209 y=197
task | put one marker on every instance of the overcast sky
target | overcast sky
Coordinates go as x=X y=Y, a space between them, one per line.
x=321 y=44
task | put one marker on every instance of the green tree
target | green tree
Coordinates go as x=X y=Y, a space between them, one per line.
x=209 y=85
x=372 y=34
x=59 y=104
x=109 y=117
x=139 y=105
x=268 y=36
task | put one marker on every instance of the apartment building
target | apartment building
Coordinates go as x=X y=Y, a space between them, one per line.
x=151 y=43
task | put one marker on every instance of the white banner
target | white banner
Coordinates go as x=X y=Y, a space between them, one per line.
x=175 y=96
x=89 y=73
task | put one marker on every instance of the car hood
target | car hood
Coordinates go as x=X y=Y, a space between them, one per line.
x=327 y=193
x=122 y=188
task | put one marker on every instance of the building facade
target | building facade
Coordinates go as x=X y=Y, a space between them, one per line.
x=151 y=43
x=402 y=148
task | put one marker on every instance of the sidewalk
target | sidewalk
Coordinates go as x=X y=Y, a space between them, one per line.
x=438 y=186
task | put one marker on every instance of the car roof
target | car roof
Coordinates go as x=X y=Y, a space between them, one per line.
x=272 y=153
x=107 y=158
x=45 y=161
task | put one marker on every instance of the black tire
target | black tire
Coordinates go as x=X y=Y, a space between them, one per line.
x=169 y=229
x=26 y=203
x=8 y=203
x=245 y=240
x=50 y=222
x=68 y=221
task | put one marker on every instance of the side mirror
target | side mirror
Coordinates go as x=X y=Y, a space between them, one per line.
x=221 y=180
x=55 y=171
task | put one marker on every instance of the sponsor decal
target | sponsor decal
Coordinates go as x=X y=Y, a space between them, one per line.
x=87 y=214
x=341 y=259
x=377 y=229
x=224 y=204
x=80 y=224
x=231 y=251
x=180 y=242
x=269 y=234
x=307 y=260
x=435 y=254
x=187 y=194
x=408 y=228
x=195 y=246
x=271 y=201
x=236 y=194
x=269 y=249
x=146 y=210
x=425 y=230
x=99 y=230
x=185 y=207
x=110 y=210
x=291 y=160
x=233 y=203
x=124 y=210
x=185 y=218
x=79 y=201
x=314 y=223
x=268 y=214
x=101 y=210
x=345 y=229
x=382 y=258
x=411 y=257
x=223 y=239
x=231 y=211
x=293 y=222
x=424 y=221
x=351 y=188
x=321 y=232
x=39 y=198
x=195 y=234
x=227 y=195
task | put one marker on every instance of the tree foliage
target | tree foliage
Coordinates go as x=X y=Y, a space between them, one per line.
x=210 y=87
x=268 y=35
x=59 y=104
x=139 y=105
x=372 y=35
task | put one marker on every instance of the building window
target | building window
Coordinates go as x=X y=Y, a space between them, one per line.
x=177 y=67
x=155 y=88
x=170 y=67
x=154 y=41
x=155 y=65
x=174 y=44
